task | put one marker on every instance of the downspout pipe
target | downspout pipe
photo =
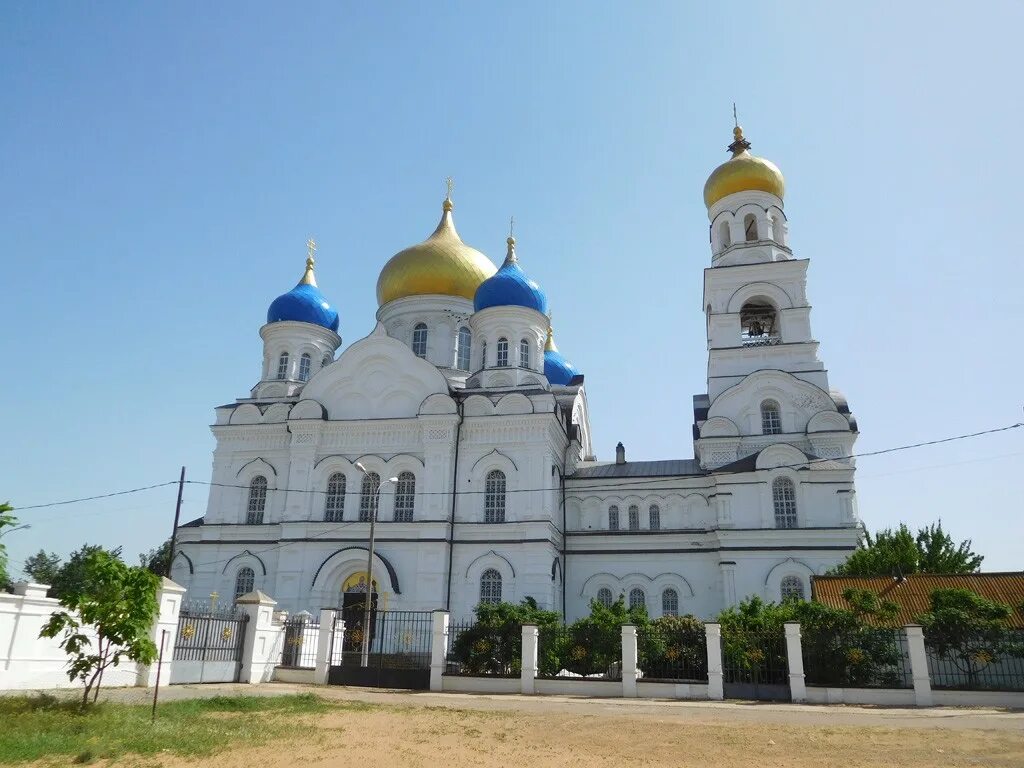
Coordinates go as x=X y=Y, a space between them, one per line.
x=451 y=516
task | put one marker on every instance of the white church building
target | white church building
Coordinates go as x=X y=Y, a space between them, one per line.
x=462 y=428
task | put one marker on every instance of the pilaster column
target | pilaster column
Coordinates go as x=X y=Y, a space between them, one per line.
x=438 y=649
x=528 y=669
x=728 y=571
x=629 y=661
x=919 y=665
x=795 y=662
x=713 y=633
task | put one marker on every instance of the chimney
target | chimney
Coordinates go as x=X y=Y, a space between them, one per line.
x=620 y=454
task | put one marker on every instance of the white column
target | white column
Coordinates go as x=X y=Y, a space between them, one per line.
x=629 y=661
x=919 y=665
x=325 y=644
x=795 y=659
x=528 y=673
x=168 y=599
x=713 y=632
x=263 y=639
x=438 y=649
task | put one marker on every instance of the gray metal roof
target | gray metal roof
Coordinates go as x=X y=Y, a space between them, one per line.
x=666 y=468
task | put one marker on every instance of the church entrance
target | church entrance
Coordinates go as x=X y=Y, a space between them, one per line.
x=398 y=654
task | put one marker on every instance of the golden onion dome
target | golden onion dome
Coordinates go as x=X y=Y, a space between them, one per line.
x=743 y=173
x=441 y=264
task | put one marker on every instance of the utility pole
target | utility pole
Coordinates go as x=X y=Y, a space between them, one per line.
x=177 y=519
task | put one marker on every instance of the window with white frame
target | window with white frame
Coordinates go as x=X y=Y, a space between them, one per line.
x=784 y=501
x=792 y=587
x=257 y=500
x=282 y=366
x=524 y=353
x=654 y=515
x=419 y=340
x=670 y=602
x=771 y=421
x=334 y=504
x=604 y=597
x=502 y=352
x=464 y=348
x=490 y=586
x=634 y=517
x=613 y=518
x=369 y=496
x=305 y=363
x=245 y=581
x=405 y=497
x=637 y=598
x=494 y=497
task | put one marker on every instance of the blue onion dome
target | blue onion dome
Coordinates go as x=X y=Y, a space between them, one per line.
x=304 y=303
x=558 y=370
x=510 y=286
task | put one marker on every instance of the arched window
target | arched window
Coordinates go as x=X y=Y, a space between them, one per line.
x=613 y=518
x=637 y=598
x=750 y=227
x=483 y=354
x=724 y=238
x=419 y=340
x=669 y=602
x=369 y=496
x=792 y=587
x=784 y=500
x=282 y=366
x=502 y=352
x=494 y=497
x=759 y=324
x=245 y=581
x=634 y=517
x=524 y=353
x=655 y=517
x=464 y=346
x=334 y=505
x=604 y=597
x=771 y=421
x=257 y=500
x=405 y=497
x=490 y=586
x=305 y=363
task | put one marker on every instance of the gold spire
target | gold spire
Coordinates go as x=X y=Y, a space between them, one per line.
x=549 y=346
x=743 y=172
x=309 y=278
x=450 y=184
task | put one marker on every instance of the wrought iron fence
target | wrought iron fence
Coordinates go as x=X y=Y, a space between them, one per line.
x=484 y=650
x=673 y=653
x=398 y=640
x=856 y=657
x=580 y=650
x=756 y=657
x=992 y=661
x=301 y=636
x=210 y=636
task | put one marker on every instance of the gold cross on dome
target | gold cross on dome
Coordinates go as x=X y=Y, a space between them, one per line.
x=311 y=248
x=511 y=226
x=450 y=183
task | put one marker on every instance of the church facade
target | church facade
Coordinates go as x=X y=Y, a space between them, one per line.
x=463 y=431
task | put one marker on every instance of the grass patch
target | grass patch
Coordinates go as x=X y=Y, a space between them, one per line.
x=40 y=727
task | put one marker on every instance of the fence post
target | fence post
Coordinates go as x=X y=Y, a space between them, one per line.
x=795 y=662
x=438 y=649
x=168 y=599
x=629 y=661
x=324 y=644
x=919 y=665
x=713 y=632
x=528 y=668
x=264 y=640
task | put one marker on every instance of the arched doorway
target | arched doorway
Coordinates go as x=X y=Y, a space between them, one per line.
x=353 y=597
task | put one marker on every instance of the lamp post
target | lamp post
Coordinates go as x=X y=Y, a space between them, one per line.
x=365 y=657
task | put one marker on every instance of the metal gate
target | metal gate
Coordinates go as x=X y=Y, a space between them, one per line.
x=209 y=646
x=398 y=655
x=754 y=664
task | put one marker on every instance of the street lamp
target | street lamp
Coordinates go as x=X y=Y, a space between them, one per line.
x=365 y=657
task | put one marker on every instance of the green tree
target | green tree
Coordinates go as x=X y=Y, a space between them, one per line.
x=7 y=520
x=72 y=577
x=968 y=630
x=157 y=560
x=593 y=645
x=891 y=552
x=118 y=603
x=43 y=567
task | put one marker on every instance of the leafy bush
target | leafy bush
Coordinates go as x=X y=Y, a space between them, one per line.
x=493 y=644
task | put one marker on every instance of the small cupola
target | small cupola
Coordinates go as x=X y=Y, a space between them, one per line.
x=620 y=454
x=304 y=303
x=510 y=286
x=557 y=369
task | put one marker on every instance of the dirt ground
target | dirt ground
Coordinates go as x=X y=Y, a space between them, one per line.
x=461 y=730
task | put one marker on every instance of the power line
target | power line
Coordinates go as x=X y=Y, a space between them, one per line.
x=635 y=484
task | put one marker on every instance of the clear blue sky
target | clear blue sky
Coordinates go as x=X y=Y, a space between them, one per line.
x=161 y=166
